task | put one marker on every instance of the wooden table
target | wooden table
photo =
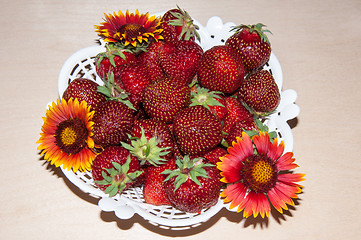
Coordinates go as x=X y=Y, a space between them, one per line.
x=318 y=44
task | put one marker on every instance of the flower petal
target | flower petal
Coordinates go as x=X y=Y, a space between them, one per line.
x=285 y=162
x=291 y=178
x=242 y=148
x=230 y=168
x=275 y=150
x=234 y=193
x=262 y=142
x=276 y=200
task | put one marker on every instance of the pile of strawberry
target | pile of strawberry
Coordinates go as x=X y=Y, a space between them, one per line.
x=165 y=116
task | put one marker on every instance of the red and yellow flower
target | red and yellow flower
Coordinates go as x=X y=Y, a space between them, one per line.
x=66 y=137
x=259 y=176
x=134 y=30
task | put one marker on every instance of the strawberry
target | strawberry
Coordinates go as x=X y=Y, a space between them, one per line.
x=176 y=150
x=115 y=170
x=113 y=120
x=177 y=24
x=150 y=60
x=150 y=141
x=179 y=59
x=237 y=129
x=115 y=91
x=84 y=90
x=112 y=58
x=236 y=112
x=251 y=42
x=164 y=98
x=214 y=154
x=153 y=188
x=133 y=79
x=221 y=69
x=196 y=130
x=251 y=126
x=260 y=92
x=193 y=185
x=212 y=100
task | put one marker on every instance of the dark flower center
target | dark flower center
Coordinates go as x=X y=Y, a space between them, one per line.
x=259 y=173
x=131 y=30
x=71 y=135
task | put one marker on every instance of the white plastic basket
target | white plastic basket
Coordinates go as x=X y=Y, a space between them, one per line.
x=81 y=64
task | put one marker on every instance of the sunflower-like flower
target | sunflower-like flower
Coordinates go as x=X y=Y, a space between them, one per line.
x=130 y=30
x=259 y=176
x=66 y=137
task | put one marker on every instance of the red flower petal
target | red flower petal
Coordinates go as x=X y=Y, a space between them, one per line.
x=242 y=148
x=262 y=142
x=275 y=150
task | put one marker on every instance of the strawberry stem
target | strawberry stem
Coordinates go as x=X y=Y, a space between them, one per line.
x=187 y=169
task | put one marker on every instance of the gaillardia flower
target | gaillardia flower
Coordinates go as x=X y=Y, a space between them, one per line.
x=66 y=137
x=131 y=30
x=259 y=176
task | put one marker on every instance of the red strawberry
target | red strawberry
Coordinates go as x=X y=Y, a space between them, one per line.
x=153 y=189
x=179 y=59
x=251 y=42
x=177 y=24
x=164 y=98
x=214 y=154
x=237 y=129
x=112 y=58
x=113 y=120
x=260 y=92
x=84 y=90
x=221 y=69
x=193 y=186
x=150 y=60
x=115 y=170
x=176 y=149
x=212 y=100
x=236 y=113
x=151 y=142
x=133 y=79
x=196 y=130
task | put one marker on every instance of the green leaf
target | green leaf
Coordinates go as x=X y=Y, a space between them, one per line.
x=129 y=105
x=224 y=143
x=127 y=146
x=117 y=166
x=125 y=167
x=171 y=173
x=114 y=191
x=272 y=135
x=135 y=175
x=180 y=179
x=106 y=176
x=193 y=175
x=111 y=190
x=102 y=182
x=147 y=150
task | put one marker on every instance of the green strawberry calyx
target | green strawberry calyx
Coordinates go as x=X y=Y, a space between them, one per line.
x=205 y=98
x=257 y=28
x=187 y=168
x=184 y=20
x=260 y=127
x=147 y=150
x=111 y=51
x=258 y=113
x=113 y=92
x=117 y=177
